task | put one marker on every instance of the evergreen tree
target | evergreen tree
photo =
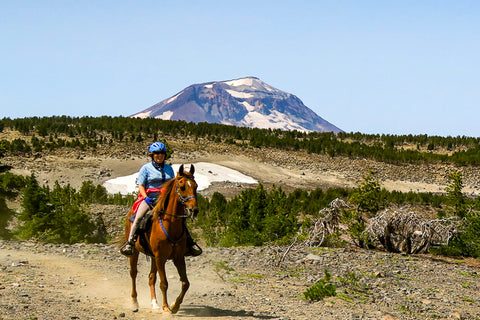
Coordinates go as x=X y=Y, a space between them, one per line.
x=56 y=216
x=9 y=186
x=367 y=195
x=37 y=214
x=456 y=198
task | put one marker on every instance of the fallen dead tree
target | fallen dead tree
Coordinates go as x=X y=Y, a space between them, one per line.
x=328 y=224
x=395 y=230
x=403 y=230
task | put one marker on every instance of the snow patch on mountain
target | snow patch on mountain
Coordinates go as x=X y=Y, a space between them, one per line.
x=167 y=115
x=275 y=120
x=240 y=82
x=174 y=97
x=251 y=82
x=239 y=94
x=143 y=115
x=248 y=106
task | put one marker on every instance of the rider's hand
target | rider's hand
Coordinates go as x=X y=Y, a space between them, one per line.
x=149 y=201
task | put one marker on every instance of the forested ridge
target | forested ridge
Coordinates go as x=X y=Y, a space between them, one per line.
x=89 y=132
x=253 y=217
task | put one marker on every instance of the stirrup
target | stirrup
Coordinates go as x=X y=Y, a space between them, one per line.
x=127 y=249
x=194 y=250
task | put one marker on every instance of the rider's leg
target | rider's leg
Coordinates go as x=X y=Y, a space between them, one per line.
x=127 y=248
x=193 y=249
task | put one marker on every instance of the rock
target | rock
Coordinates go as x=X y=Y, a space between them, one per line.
x=311 y=256
x=456 y=315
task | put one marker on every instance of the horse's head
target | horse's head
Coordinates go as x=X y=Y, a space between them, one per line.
x=187 y=190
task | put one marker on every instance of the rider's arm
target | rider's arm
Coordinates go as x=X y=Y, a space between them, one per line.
x=141 y=189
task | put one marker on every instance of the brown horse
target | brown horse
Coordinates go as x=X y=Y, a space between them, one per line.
x=166 y=239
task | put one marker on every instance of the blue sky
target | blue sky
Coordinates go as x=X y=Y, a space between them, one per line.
x=393 y=67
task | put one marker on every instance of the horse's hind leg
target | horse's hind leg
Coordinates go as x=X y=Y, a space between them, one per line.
x=133 y=275
x=152 y=279
x=182 y=272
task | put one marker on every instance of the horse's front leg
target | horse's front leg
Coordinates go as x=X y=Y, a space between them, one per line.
x=163 y=281
x=152 y=279
x=133 y=276
x=182 y=272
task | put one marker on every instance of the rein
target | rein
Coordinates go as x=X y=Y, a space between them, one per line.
x=168 y=236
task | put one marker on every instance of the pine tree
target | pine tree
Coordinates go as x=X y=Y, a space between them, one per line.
x=37 y=214
x=455 y=196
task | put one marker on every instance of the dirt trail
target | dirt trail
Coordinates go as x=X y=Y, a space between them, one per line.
x=49 y=282
x=95 y=286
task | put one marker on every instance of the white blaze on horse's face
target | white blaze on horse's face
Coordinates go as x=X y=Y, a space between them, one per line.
x=191 y=207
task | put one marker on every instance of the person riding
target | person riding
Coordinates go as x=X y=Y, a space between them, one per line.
x=151 y=177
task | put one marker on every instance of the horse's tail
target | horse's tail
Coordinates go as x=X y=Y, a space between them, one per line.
x=120 y=239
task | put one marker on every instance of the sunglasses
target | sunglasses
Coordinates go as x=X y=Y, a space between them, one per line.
x=159 y=152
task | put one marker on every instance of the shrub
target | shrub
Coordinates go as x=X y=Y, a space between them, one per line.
x=466 y=242
x=321 y=289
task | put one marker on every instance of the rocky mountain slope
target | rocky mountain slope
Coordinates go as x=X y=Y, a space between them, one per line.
x=247 y=102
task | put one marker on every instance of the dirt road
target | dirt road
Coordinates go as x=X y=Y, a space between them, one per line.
x=73 y=284
x=44 y=281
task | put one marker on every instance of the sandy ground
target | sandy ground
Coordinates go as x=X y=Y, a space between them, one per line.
x=98 y=284
x=49 y=282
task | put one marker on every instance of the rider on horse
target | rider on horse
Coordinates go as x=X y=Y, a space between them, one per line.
x=150 y=179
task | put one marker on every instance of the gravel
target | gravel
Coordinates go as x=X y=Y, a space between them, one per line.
x=46 y=281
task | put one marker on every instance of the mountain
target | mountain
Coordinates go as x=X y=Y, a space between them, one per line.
x=246 y=102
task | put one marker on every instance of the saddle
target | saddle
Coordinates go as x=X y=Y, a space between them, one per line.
x=143 y=227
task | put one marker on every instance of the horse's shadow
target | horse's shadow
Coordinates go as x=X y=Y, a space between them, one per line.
x=209 y=311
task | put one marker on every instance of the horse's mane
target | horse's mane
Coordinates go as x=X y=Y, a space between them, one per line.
x=163 y=199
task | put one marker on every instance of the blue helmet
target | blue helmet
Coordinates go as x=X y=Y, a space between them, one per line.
x=157 y=146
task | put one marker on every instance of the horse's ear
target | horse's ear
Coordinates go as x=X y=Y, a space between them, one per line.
x=180 y=170
x=192 y=169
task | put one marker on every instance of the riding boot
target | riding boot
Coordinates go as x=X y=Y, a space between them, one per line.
x=127 y=248
x=193 y=249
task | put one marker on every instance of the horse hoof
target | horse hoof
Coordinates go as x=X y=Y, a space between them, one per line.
x=174 y=308
x=155 y=304
x=135 y=306
x=167 y=310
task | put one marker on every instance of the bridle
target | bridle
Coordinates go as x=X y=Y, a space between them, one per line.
x=182 y=198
